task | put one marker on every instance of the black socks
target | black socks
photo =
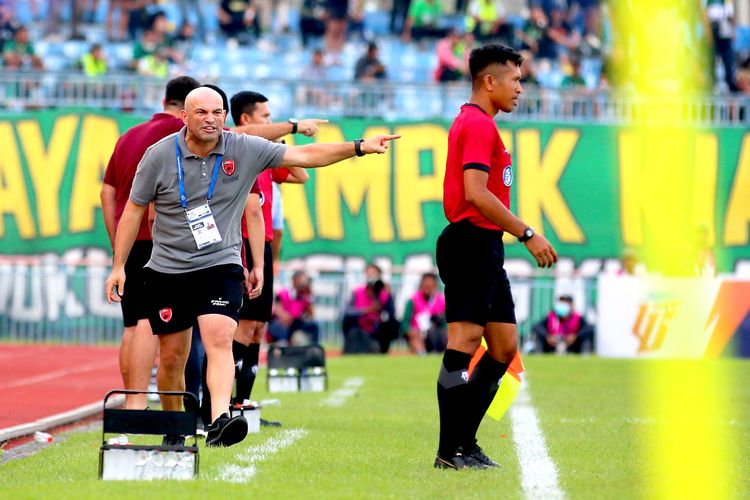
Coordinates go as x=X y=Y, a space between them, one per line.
x=463 y=401
x=247 y=370
x=483 y=386
x=452 y=392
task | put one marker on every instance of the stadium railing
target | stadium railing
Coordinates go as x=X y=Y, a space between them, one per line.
x=41 y=302
x=384 y=100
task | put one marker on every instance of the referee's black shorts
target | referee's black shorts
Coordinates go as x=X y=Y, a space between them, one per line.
x=470 y=261
x=134 y=300
x=260 y=308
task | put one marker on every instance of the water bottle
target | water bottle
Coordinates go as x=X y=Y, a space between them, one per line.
x=42 y=437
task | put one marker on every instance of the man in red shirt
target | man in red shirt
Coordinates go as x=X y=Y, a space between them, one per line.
x=251 y=108
x=138 y=346
x=470 y=257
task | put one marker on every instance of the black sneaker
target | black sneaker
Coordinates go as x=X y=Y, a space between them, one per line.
x=173 y=440
x=477 y=454
x=458 y=461
x=269 y=423
x=226 y=431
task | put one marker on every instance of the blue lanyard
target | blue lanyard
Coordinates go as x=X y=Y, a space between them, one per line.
x=181 y=176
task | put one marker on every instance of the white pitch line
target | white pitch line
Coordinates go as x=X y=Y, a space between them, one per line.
x=538 y=471
x=339 y=396
x=256 y=454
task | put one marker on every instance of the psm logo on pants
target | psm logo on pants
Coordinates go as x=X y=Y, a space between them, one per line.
x=165 y=314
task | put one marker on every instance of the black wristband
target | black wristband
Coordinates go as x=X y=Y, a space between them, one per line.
x=358 y=147
x=294 y=126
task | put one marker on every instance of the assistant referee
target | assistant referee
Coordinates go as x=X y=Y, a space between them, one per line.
x=470 y=257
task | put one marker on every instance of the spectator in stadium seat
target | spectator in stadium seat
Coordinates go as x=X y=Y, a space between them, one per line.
x=559 y=37
x=156 y=64
x=486 y=19
x=312 y=23
x=52 y=22
x=721 y=18
x=293 y=312
x=423 y=21
x=143 y=15
x=94 y=62
x=452 y=64
x=152 y=41
x=369 y=68
x=8 y=25
x=19 y=52
x=123 y=9
x=183 y=43
x=563 y=330
x=532 y=32
x=399 y=11
x=369 y=319
x=237 y=18
x=528 y=71
x=424 y=318
x=575 y=79
x=356 y=19
x=335 y=34
x=193 y=6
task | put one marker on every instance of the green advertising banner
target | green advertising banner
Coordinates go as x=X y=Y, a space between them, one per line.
x=582 y=185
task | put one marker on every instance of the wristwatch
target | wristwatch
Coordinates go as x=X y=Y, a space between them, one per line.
x=528 y=233
x=294 y=123
x=358 y=147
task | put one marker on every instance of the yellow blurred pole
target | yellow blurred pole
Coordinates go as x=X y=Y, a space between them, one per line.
x=660 y=57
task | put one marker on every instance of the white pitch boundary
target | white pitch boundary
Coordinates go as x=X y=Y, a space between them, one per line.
x=538 y=471
x=340 y=396
x=256 y=454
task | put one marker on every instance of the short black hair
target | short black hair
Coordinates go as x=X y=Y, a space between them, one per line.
x=494 y=53
x=224 y=100
x=429 y=275
x=244 y=102
x=178 y=89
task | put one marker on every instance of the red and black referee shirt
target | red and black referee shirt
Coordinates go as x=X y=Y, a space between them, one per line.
x=474 y=142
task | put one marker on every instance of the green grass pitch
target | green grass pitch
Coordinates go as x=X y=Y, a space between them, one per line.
x=381 y=442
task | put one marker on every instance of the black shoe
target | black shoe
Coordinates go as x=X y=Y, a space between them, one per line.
x=458 y=461
x=269 y=423
x=477 y=454
x=226 y=431
x=173 y=440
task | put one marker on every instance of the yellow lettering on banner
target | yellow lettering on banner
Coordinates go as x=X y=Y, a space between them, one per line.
x=738 y=209
x=633 y=193
x=354 y=180
x=538 y=176
x=98 y=138
x=296 y=209
x=704 y=183
x=507 y=136
x=297 y=213
x=413 y=189
x=14 y=198
x=47 y=167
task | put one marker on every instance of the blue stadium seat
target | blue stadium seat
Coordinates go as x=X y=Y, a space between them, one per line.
x=377 y=23
x=742 y=40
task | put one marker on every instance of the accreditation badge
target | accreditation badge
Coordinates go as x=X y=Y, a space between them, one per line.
x=203 y=226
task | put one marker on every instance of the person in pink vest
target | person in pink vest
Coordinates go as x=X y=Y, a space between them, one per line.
x=369 y=319
x=293 y=311
x=424 y=318
x=563 y=330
